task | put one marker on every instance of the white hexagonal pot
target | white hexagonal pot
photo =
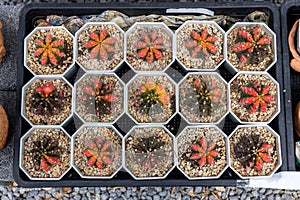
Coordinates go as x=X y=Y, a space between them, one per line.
x=148 y=152
x=45 y=153
x=99 y=97
x=151 y=98
x=203 y=98
x=200 y=45
x=99 y=46
x=251 y=46
x=47 y=100
x=149 y=46
x=202 y=152
x=97 y=151
x=254 y=97
x=255 y=151
x=49 y=51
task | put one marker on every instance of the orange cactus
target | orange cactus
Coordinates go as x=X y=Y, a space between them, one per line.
x=250 y=46
x=256 y=96
x=150 y=94
x=50 y=50
x=101 y=45
x=204 y=152
x=150 y=47
x=99 y=152
x=201 y=44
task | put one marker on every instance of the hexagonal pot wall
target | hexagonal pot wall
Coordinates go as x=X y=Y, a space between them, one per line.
x=149 y=152
x=49 y=51
x=200 y=45
x=251 y=46
x=99 y=46
x=255 y=151
x=47 y=100
x=97 y=151
x=202 y=152
x=99 y=97
x=45 y=153
x=151 y=98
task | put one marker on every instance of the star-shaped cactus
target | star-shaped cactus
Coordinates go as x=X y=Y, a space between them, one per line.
x=98 y=96
x=148 y=151
x=151 y=94
x=150 y=47
x=250 y=46
x=99 y=152
x=50 y=50
x=47 y=100
x=201 y=44
x=256 y=96
x=251 y=152
x=46 y=153
x=203 y=152
x=101 y=45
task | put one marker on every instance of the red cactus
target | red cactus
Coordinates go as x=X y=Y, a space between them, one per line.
x=47 y=100
x=101 y=45
x=150 y=47
x=204 y=152
x=99 y=152
x=250 y=45
x=101 y=95
x=262 y=156
x=252 y=152
x=50 y=50
x=256 y=97
x=46 y=153
x=201 y=44
x=45 y=90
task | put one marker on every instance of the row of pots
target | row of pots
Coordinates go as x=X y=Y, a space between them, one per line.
x=200 y=97
x=149 y=152
x=196 y=45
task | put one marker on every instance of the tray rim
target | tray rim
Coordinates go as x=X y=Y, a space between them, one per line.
x=287 y=85
x=126 y=5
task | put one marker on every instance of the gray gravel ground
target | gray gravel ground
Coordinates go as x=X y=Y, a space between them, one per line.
x=148 y=193
x=103 y=193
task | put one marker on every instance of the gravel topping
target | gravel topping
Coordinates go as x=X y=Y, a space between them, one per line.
x=135 y=193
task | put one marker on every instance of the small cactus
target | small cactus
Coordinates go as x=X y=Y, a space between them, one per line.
x=151 y=94
x=99 y=152
x=98 y=96
x=150 y=47
x=47 y=100
x=251 y=45
x=148 y=151
x=50 y=50
x=201 y=44
x=46 y=153
x=252 y=152
x=203 y=152
x=208 y=94
x=101 y=45
x=256 y=96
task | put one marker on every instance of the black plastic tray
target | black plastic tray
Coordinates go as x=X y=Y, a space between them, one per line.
x=175 y=178
x=290 y=12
